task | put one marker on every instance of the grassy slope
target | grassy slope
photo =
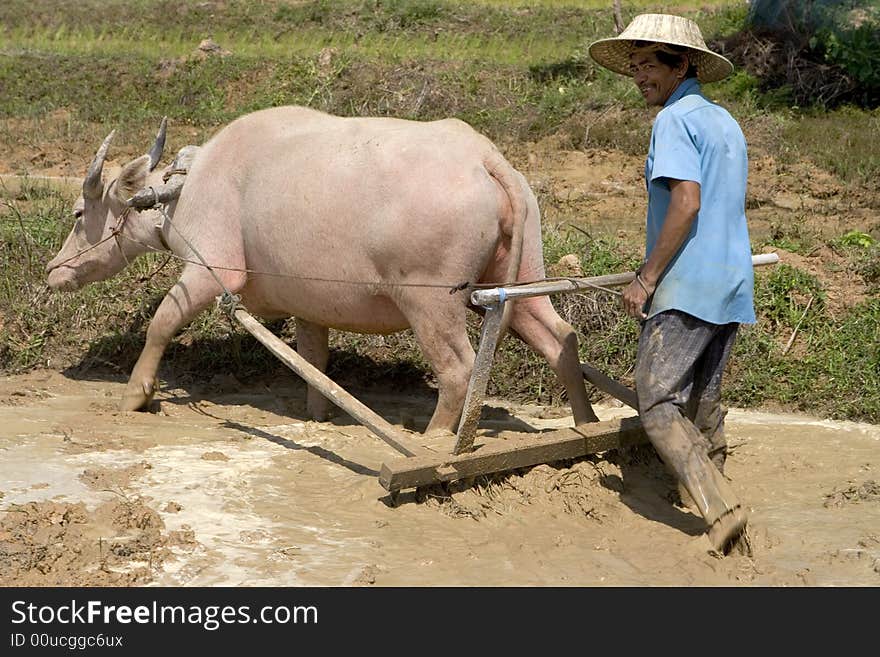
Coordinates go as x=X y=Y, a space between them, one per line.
x=514 y=73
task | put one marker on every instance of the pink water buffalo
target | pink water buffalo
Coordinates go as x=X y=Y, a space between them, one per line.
x=358 y=224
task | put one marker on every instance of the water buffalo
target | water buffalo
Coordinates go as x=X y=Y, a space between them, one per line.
x=368 y=221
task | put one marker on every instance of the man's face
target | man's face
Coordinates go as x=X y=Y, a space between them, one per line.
x=655 y=79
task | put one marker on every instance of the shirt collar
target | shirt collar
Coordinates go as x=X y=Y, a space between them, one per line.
x=687 y=87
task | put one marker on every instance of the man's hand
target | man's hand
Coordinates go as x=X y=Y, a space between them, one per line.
x=635 y=296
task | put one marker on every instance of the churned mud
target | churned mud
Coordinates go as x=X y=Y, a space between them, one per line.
x=229 y=485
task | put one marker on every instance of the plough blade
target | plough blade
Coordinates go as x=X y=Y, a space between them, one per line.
x=518 y=451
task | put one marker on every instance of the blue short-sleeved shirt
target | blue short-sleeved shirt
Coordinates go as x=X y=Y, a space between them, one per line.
x=711 y=276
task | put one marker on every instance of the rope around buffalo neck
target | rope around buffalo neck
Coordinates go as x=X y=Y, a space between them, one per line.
x=114 y=234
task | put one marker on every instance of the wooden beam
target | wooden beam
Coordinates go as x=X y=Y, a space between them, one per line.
x=327 y=387
x=523 y=450
x=473 y=403
x=608 y=385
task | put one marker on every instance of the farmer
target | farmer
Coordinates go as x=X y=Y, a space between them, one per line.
x=694 y=288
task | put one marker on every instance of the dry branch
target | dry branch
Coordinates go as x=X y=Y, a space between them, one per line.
x=618 y=17
x=800 y=321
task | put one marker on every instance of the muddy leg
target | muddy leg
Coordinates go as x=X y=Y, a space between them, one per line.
x=704 y=406
x=439 y=327
x=536 y=322
x=195 y=291
x=710 y=492
x=670 y=347
x=311 y=343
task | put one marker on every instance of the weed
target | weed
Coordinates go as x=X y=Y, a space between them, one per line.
x=863 y=253
x=836 y=375
x=795 y=236
x=782 y=296
x=857 y=239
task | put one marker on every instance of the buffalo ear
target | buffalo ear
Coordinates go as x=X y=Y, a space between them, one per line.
x=132 y=178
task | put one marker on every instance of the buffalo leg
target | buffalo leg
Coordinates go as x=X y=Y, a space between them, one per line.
x=193 y=293
x=311 y=344
x=438 y=322
x=536 y=322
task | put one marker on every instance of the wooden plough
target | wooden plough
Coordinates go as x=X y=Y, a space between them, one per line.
x=473 y=455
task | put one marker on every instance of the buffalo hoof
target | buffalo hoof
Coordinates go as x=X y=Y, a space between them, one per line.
x=138 y=397
x=439 y=433
x=685 y=499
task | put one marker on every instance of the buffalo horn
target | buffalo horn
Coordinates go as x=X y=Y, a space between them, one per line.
x=159 y=144
x=92 y=185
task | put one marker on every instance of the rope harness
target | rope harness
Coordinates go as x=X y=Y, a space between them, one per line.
x=115 y=234
x=173 y=172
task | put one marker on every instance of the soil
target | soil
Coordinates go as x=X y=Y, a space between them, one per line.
x=237 y=488
x=231 y=485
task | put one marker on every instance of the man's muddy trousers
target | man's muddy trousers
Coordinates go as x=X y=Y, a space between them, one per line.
x=679 y=367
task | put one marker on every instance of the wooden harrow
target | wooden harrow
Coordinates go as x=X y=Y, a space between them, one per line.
x=468 y=455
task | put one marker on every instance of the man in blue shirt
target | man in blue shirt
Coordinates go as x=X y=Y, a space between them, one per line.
x=695 y=286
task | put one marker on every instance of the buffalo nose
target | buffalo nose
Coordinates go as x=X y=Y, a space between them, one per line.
x=57 y=261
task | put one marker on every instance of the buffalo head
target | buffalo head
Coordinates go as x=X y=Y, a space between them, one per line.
x=91 y=253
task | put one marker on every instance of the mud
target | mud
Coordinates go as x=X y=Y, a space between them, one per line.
x=235 y=488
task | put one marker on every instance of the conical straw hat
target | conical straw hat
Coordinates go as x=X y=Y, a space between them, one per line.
x=614 y=53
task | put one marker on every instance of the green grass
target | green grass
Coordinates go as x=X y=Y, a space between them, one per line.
x=845 y=141
x=629 y=7
x=833 y=373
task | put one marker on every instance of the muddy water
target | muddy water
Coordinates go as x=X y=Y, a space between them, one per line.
x=249 y=493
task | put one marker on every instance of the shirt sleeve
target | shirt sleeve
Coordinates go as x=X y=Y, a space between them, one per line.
x=676 y=154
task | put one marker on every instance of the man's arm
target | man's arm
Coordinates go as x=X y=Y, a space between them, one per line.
x=684 y=204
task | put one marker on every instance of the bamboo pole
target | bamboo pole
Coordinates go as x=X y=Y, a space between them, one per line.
x=491 y=296
x=618 y=16
x=800 y=321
